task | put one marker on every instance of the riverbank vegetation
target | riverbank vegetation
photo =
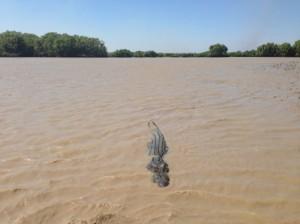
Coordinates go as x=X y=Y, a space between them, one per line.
x=14 y=44
x=17 y=44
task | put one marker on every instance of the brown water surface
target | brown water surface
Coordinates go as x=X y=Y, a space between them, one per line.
x=73 y=136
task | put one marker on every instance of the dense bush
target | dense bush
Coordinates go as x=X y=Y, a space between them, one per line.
x=235 y=54
x=51 y=45
x=12 y=44
x=178 y=55
x=297 y=48
x=218 y=50
x=127 y=53
x=122 y=53
x=150 y=54
x=286 y=50
x=31 y=45
x=251 y=53
x=268 y=50
x=203 y=54
x=138 y=54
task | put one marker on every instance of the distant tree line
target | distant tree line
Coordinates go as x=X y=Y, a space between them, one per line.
x=14 y=44
x=139 y=54
x=271 y=50
x=220 y=50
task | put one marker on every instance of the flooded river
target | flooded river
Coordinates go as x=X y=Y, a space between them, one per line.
x=73 y=135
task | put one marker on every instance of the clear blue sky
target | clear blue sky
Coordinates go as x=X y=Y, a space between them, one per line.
x=161 y=25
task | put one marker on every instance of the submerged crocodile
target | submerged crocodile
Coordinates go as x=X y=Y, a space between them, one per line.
x=157 y=148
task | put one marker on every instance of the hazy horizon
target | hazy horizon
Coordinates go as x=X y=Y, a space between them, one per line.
x=168 y=26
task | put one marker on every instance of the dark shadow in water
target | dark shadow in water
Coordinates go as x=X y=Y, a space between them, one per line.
x=160 y=170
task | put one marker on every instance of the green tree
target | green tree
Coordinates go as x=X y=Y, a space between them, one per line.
x=31 y=45
x=12 y=44
x=268 y=50
x=93 y=47
x=49 y=45
x=64 y=45
x=297 y=48
x=150 y=54
x=286 y=50
x=187 y=55
x=123 y=53
x=251 y=53
x=1 y=51
x=169 y=55
x=218 y=50
x=203 y=54
x=235 y=54
x=138 y=54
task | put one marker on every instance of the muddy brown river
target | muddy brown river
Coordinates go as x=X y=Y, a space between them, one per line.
x=73 y=135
